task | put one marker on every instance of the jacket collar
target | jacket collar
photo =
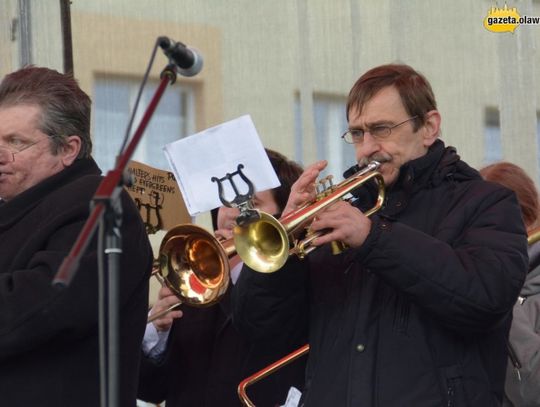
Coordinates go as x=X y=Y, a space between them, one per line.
x=12 y=210
x=440 y=163
x=430 y=170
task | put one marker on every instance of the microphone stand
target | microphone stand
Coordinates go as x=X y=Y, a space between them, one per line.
x=107 y=211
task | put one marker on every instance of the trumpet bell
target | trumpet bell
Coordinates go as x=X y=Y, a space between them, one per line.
x=194 y=265
x=262 y=245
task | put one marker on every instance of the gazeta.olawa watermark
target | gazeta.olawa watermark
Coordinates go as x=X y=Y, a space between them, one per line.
x=506 y=19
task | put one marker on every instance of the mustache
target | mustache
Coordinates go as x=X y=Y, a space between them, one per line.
x=375 y=157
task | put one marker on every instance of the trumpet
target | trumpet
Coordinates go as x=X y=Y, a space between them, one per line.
x=264 y=245
x=194 y=265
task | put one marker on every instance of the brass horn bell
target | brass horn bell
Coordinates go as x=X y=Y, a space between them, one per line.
x=194 y=265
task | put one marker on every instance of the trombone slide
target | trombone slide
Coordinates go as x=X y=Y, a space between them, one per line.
x=261 y=374
x=164 y=312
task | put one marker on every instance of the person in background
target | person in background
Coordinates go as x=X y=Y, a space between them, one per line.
x=522 y=386
x=49 y=351
x=195 y=356
x=416 y=311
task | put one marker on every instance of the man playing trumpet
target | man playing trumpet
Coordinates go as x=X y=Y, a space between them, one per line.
x=416 y=311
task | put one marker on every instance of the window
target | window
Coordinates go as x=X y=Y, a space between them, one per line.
x=114 y=99
x=329 y=122
x=492 y=136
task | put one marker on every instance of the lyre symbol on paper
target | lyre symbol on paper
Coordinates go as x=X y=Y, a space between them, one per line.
x=241 y=201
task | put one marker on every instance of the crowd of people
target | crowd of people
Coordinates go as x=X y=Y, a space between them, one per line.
x=432 y=302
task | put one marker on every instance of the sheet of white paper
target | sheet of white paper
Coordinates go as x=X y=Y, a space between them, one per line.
x=216 y=152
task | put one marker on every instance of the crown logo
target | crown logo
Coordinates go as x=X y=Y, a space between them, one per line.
x=501 y=20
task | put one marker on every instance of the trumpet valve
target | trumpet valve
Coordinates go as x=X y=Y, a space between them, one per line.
x=319 y=188
x=329 y=178
x=338 y=247
x=324 y=187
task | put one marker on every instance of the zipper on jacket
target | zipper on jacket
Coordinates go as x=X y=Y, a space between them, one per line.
x=511 y=353
x=450 y=393
x=454 y=386
x=514 y=359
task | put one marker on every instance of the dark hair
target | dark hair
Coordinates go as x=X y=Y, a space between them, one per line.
x=515 y=178
x=287 y=172
x=414 y=89
x=65 y=108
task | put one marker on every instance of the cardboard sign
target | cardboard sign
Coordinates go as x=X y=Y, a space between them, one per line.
x=156 y=194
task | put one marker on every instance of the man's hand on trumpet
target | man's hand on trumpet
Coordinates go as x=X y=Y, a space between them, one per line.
x=166 y=299
x=341 y=222
x=303 y=191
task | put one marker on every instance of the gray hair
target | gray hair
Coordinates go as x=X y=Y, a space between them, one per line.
x=65 y=108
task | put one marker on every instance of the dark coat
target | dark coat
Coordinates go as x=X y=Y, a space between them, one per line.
x=49 y=337
x=417 y=316
x=205 y=360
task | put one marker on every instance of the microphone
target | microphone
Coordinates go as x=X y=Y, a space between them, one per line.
x=187 y=59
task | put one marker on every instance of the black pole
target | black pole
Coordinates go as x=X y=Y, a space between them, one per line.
x=67 y=41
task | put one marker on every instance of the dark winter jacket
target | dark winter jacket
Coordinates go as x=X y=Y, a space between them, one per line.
x=48 y=336
x=205 y=360
x=419 y=314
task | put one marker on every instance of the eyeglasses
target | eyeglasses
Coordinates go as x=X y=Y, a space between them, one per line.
x=8 y=155
x=356 y=136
